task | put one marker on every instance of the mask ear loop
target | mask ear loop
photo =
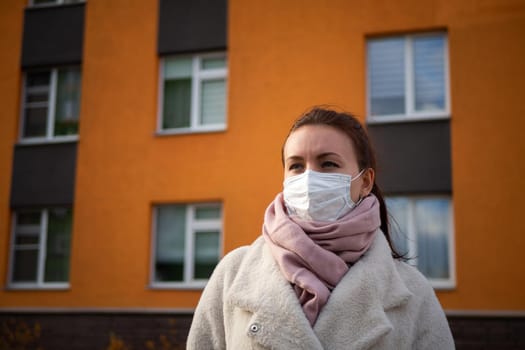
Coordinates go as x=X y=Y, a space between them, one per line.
x=355 y=178
x=358 y=175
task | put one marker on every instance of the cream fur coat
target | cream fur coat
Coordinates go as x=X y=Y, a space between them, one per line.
x=380 y=303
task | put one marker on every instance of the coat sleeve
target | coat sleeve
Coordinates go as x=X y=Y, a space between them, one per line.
x=207 y=329
x=432 y=330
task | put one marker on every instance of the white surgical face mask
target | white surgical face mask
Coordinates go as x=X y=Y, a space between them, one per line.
x=315 y=196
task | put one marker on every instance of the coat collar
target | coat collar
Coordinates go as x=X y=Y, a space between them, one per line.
x=355 y=311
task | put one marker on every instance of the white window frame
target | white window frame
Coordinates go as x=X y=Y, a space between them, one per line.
x=55 y=3
x=192 y=226
x=51 y=105
x=411 y=114
x=411 y=237
x=42 y=253
x=197 y=76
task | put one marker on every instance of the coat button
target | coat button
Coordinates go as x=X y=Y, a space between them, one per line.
x=254 y=328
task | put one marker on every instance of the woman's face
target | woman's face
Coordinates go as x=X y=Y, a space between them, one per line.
x=325 y=149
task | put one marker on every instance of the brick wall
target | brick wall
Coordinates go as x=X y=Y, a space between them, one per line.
x=89 y=331
x=502 y=333
x=83 y=331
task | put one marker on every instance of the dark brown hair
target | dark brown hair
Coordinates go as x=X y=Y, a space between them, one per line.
x=347 y=123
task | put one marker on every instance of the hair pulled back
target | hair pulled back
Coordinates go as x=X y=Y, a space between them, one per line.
x=349 y=124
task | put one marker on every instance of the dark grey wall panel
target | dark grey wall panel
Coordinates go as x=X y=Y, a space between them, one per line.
x=192 y=26
x=43 y=175
x=413 y=157
x=53 y=35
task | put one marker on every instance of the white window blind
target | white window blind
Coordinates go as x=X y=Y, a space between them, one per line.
x=407 y=77
x=429 y=72
x=213 y=102
x=187 y=244
x=387 y=76
x=422 y=228
x=194 y=94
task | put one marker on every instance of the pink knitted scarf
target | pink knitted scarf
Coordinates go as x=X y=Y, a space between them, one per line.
x=314 y=256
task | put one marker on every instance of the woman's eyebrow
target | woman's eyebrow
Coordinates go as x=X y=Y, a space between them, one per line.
x=328 y=154
x=293 y=159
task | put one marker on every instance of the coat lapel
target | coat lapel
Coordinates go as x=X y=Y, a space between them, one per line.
x=356 y=310
x=263 y=292
x=354 y=317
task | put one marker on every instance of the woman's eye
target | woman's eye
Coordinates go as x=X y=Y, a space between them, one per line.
x=295 y=166
x=329 y=164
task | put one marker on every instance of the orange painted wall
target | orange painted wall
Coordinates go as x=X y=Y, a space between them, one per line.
x=284 y=56
x=291 y=54
x=11 y=22
x=487 y=50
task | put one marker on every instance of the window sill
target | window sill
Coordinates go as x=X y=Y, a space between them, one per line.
x=45 y=141
x=442 y=285
x=38 y=287
x=198 y=286
x=186 y=131
x=402 y=118
x=39 y=6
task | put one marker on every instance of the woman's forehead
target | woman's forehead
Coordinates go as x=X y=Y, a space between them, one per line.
x=318 y=139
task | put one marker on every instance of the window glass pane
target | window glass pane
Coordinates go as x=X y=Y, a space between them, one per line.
x=37 y=97
x=429 y=72
x=178 y=68
x=432 y=222
x=204 y=213
x=171 y=228
x=58 y=245
x=27 y=230
x=213 y=63
x=386 y=76
x=35 y=122
x=27 y=240
x=28 y=217
x=177 y=104
x=25 y=265
x=213 y=102
x=37 y=79
x=206 y=253
x=67 y=107
x=398 y=216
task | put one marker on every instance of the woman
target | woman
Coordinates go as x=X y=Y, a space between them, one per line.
x=323 y=274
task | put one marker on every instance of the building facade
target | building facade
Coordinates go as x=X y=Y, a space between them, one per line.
x=140 y=142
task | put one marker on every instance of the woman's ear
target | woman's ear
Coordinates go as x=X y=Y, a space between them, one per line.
x=368 y=182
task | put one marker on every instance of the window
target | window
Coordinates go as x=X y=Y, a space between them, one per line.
x=187 y=244
x=422 y=227
x=193 y=94
x=408 y=77
x=40 y=248
x=51 y=105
